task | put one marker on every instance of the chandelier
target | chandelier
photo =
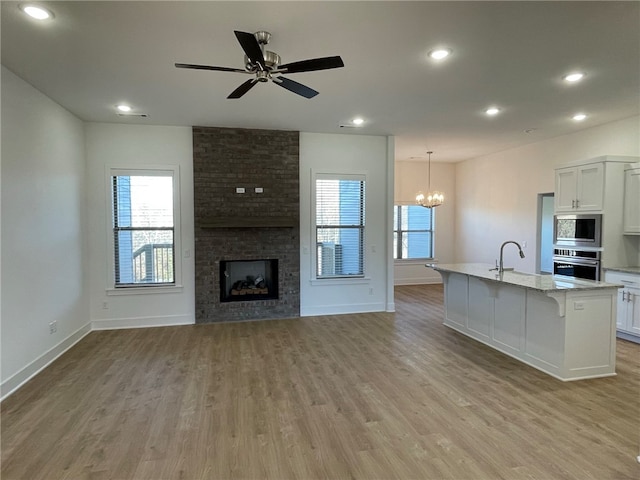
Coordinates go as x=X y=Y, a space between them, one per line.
x=431 y=198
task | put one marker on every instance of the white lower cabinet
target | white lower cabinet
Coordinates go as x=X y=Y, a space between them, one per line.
x=628 y=320
x=567 y=333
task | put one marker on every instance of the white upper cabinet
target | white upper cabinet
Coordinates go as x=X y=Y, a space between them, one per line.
x=631 y=215
x=580 y=189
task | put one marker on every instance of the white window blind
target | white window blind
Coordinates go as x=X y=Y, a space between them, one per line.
x=143 y=229
x=340 y=223
x=412 y=232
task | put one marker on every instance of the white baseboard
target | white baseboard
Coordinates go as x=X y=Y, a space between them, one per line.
x=142 y=322
x=21 y=377
x=417 y=281
x=342 y=309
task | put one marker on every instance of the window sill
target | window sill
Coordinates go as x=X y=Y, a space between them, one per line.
x=144 y=290
x=340 y=281
x=415 y=261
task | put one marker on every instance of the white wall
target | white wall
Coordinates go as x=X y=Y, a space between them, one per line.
x=43 y=231
x=410 y=178
x=496 y=195
x=131 y=146
x=352 y=154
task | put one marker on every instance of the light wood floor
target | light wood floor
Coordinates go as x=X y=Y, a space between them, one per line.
x=369 y=396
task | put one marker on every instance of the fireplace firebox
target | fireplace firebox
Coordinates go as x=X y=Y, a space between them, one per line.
x=248 y=280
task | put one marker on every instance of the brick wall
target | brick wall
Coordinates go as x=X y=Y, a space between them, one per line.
x=227 y=158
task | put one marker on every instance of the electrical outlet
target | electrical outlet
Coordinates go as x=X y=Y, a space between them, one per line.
x=371 y=291
x=53 y=327
x=578 y=305
x=524 y=244
x=105 y=305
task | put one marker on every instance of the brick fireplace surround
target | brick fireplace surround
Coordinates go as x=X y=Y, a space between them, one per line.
x=249 y=226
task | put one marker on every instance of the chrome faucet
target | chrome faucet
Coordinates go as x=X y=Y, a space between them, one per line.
x=500 y=268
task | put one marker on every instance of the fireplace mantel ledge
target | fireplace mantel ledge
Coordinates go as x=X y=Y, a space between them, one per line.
x=249 y=222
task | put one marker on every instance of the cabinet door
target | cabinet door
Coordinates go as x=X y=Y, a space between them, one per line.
x=633 y=311
x=632 y=201
x=590 y=187
x=565 y=194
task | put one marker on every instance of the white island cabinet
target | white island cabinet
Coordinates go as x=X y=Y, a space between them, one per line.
x=563 y=326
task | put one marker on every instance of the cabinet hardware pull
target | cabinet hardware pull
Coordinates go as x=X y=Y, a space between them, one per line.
x=577 y=203
x=573 y=204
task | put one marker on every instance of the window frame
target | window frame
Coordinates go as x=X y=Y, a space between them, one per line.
x=399 y=232
x=314 y=229
x=148 y=170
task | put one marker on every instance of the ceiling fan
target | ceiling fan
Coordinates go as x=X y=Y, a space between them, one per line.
x=265 y=65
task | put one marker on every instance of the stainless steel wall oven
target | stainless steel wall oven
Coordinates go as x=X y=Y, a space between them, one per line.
x=577 y=263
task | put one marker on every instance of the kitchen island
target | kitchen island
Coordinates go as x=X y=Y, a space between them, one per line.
x=563 y=326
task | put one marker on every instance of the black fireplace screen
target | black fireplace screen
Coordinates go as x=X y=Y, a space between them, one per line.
x=246 y=280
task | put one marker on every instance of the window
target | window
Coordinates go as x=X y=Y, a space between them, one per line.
x=144 y=208
x=339 y=226
x=412 y=232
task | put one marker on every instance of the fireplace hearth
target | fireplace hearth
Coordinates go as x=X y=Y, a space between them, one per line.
x=248 y=280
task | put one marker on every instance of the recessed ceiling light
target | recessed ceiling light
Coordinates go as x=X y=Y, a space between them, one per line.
x=573 y=77
x=357 y=121
x=124 y=108
x=492 y=111
x=36 y=11
x=578 y=117
x=440 y=53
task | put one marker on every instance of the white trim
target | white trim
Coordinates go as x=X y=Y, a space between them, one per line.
x=343 y=309
x=413 y=261
x=142 y=322
x=418 y=281
x=336 y=174
x=333 y=281
x=149 y=170
x=144 y=290
x=17 y=380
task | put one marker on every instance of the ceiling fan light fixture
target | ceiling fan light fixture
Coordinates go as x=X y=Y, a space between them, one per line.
x=265 y=66
x=433 y=198
x=36 y=11
x=439 y=53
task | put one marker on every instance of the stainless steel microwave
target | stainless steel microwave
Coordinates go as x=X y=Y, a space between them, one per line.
x=577 y=230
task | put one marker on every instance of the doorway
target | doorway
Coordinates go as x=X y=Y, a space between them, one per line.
x=545 y=233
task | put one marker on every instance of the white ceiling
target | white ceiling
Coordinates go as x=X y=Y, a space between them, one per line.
x=93 y=55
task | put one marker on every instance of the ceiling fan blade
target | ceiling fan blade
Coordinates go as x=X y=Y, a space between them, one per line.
x=244 y=88
x=295 y=87
x=209 y=67
x=311 y=65
x=251 y=47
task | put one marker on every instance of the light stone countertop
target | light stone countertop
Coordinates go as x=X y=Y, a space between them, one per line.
x=635 y=270
x=543 y=283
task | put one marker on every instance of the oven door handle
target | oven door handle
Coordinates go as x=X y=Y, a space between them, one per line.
x=575 y=261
